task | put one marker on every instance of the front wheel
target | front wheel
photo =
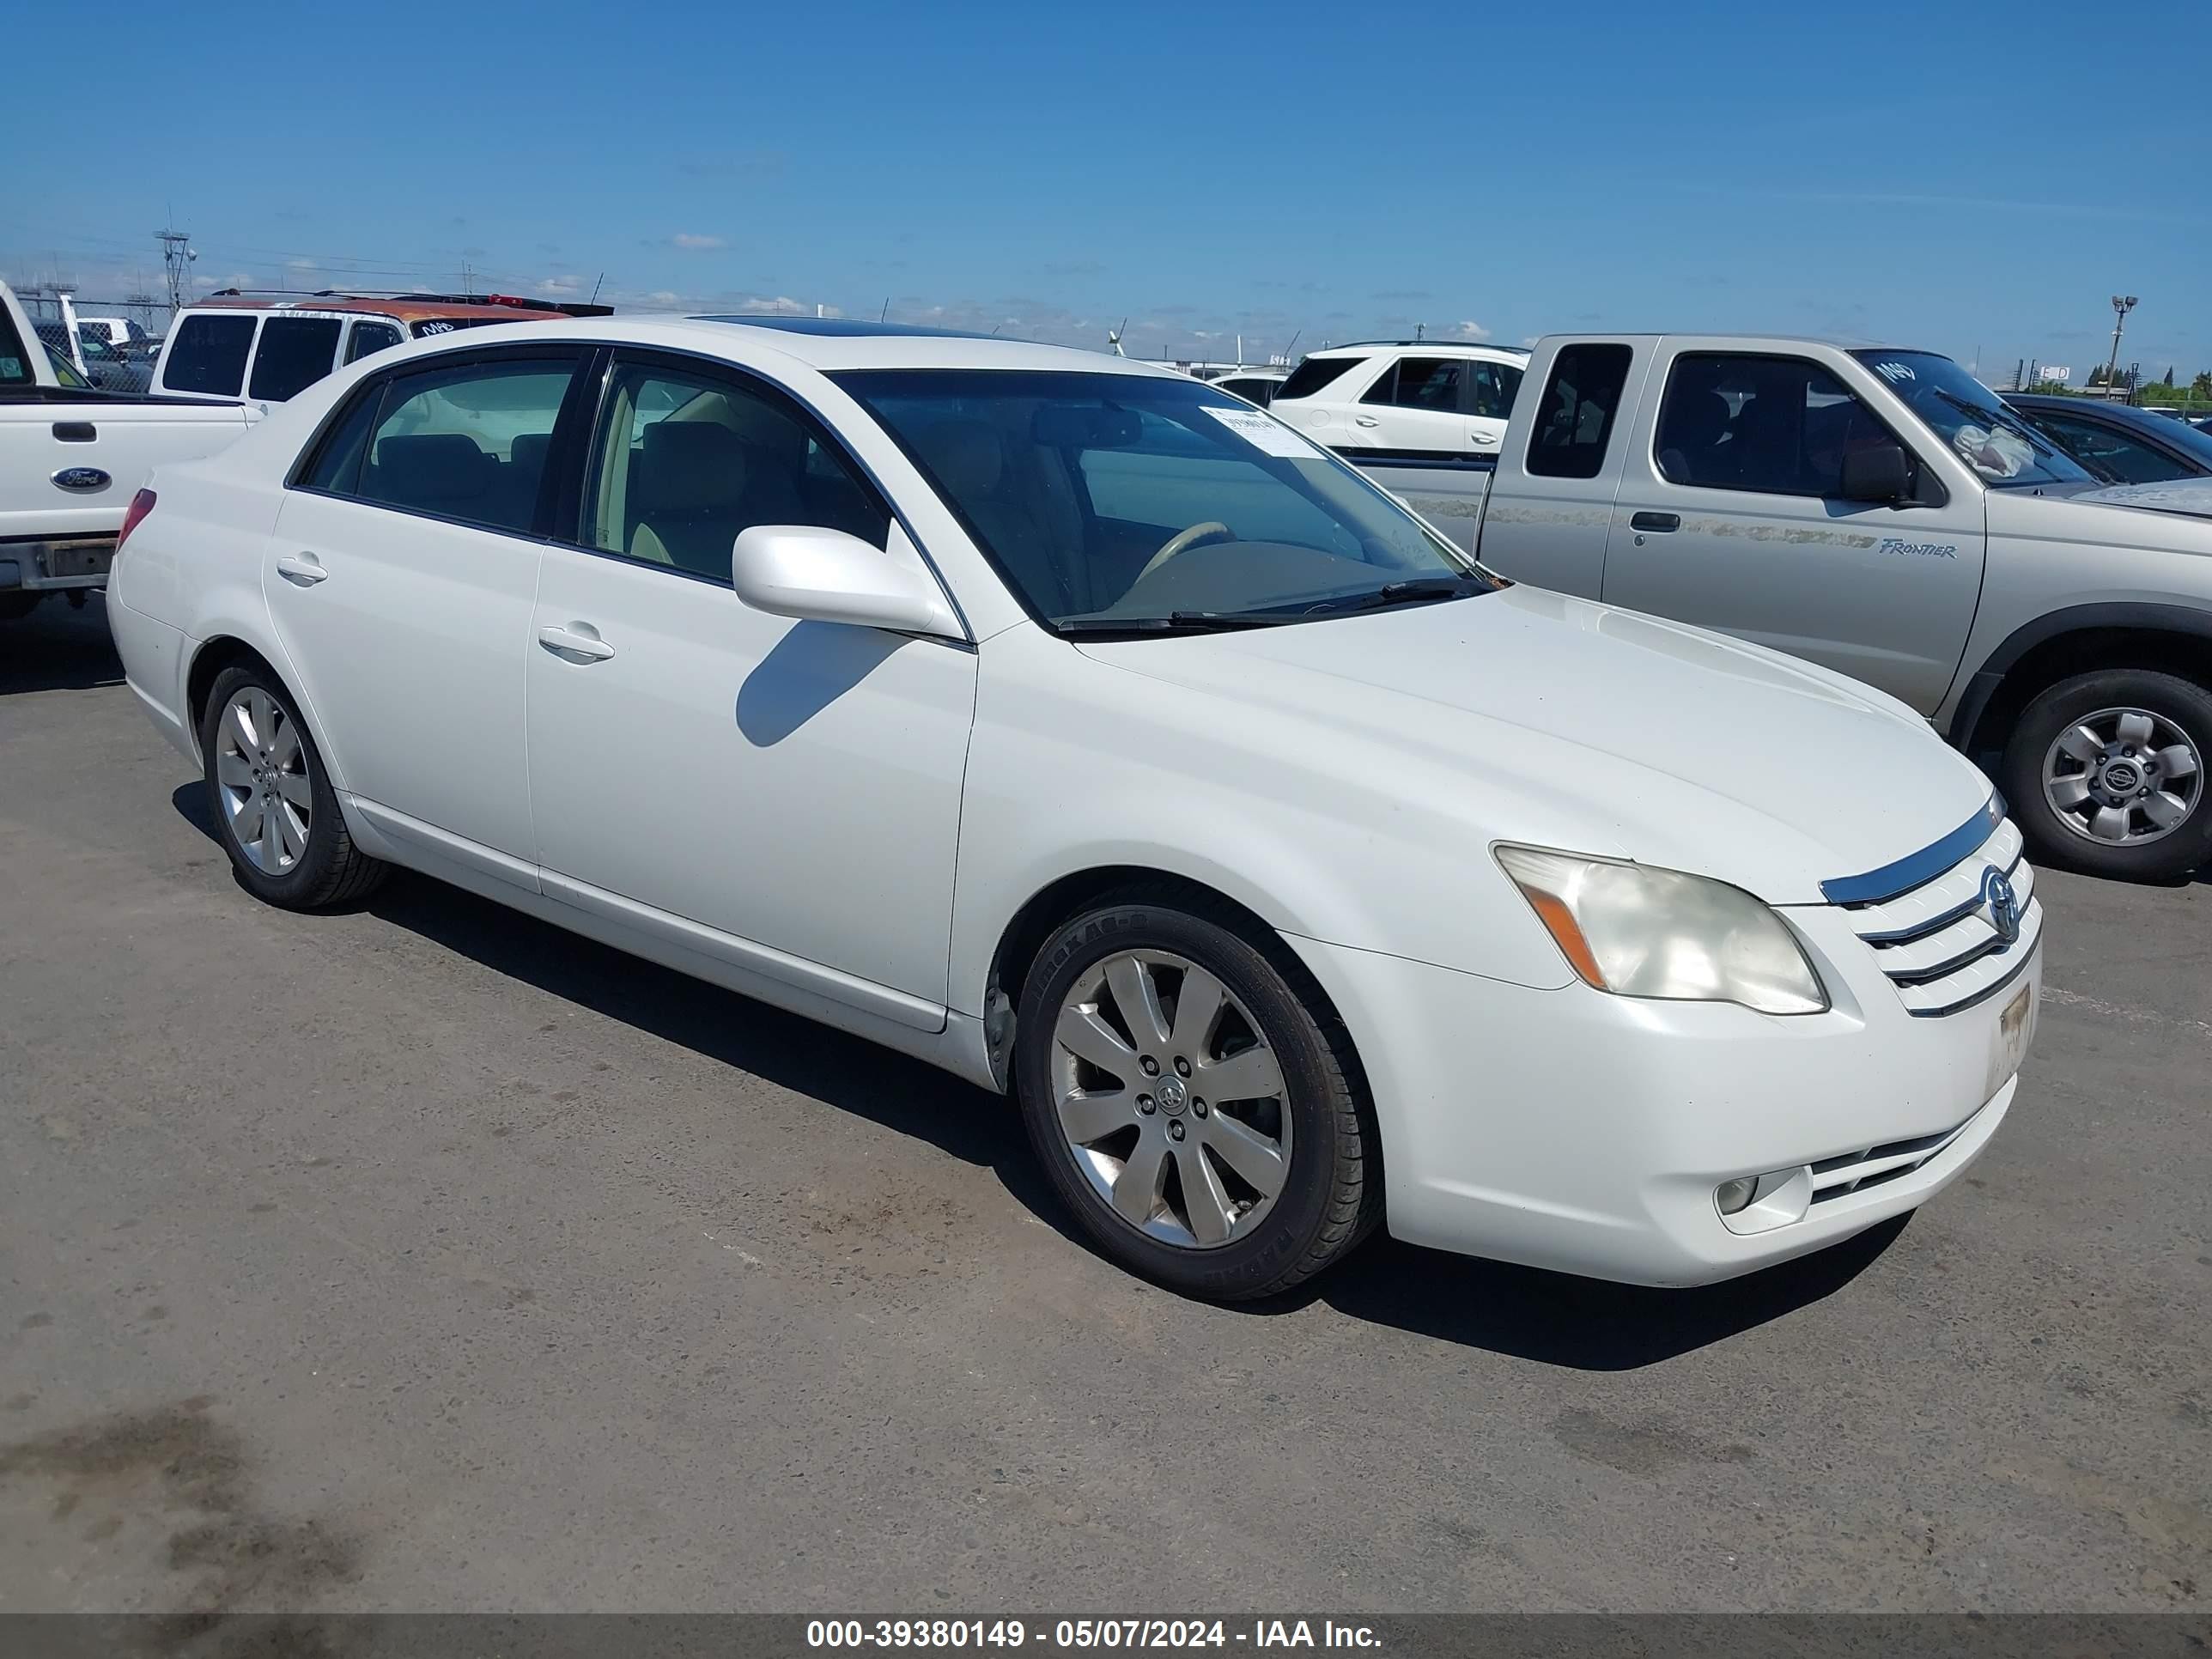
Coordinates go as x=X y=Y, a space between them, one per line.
x=274 y=810
x=2105 y=772
x=1192 y=1105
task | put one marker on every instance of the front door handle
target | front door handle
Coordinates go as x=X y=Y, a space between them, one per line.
x=1657 y=523
x=1365 y=420
x=579 y=641
x=301 y=569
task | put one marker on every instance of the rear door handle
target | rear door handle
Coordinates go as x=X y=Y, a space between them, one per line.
x=1365 y=420
x=301 y=569
x=1655 y=522
x=581 y=640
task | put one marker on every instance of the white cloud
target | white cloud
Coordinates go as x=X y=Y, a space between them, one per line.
x=558 y=286
x=1467 y=331
x=663 y=296
x=1530 y=339
x=685 y=239
x=301 y=264
x=779 y=305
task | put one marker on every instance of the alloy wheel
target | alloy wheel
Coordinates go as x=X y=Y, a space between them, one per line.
x=1171 y=1098
x=261 y=778
x=2123 y=776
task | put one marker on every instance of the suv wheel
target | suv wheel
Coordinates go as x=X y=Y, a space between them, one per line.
x=2106 y=772
x=1190 y=1104
x=274 y=808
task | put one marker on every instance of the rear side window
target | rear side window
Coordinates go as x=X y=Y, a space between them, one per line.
x=294 y=353
x=467 y=443
x=370 y=336
x=336 y=465
x=1311 y=375
x=208 y=353
x=1574 y=421
x=1424 y=383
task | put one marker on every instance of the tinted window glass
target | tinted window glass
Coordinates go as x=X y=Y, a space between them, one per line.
x=1311 y=375
x=370 y=336
x=15 y=366
x=208 y=353
x=1428 y=383
x=1260 y=392
x=2103 y=450
x=683 y=462
x=467 y=443
x=292 y=354
x=1494 y=386
x=1120 y=498
x=1781 y=425
x=1575 y=421
x=336 y=464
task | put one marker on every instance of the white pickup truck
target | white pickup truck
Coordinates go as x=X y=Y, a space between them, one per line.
x=72 y=457
x=1880 y=511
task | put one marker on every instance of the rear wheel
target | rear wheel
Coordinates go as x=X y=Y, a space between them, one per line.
x=274 y=808
x=1192 y=1103
x=2106 y=772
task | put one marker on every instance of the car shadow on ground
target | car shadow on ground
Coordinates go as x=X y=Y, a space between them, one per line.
x=56 y=648
x=1526 y=1313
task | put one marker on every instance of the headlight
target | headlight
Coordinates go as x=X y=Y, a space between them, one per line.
x=1638 y=931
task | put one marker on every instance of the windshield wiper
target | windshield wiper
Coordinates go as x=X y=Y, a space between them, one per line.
x=1178 y=621
x=1417 y=590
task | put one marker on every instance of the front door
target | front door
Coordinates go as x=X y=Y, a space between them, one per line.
x=1730 y=516
x=793 y=786
x=400 y=580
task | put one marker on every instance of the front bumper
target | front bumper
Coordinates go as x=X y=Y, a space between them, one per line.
x=1574 y=1130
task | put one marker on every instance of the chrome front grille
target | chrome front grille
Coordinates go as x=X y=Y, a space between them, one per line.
x=1930 y=922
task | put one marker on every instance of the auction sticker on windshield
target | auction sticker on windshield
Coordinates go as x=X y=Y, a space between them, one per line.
x=1264 y=433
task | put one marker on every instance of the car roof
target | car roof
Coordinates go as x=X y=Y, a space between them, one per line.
x=803 y=340
x=1430 y=348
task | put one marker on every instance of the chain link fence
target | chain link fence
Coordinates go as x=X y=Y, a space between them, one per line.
x=117 y=339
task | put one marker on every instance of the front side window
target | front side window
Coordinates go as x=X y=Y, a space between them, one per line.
x=685 y=461
x=207 y=353
x=1309 y=377
x=367 y=338
x=467 y=442
x=1778 y=425
x=1112 y=501
x=294 y=353
x=1574 y=422
x=1973 y=422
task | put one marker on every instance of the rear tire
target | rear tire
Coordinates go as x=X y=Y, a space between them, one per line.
x=262 y=769
x=1228 y=1012
x=2147 y=732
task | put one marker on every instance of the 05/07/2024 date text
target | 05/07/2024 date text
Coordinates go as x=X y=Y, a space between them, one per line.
x=953 y=1633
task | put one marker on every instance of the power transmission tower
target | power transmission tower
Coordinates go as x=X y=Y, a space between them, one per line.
x=177 y=257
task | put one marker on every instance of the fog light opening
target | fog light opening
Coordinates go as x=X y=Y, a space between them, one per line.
x=1733 y=1196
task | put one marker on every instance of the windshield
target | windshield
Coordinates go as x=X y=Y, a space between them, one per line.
x=1110 y=499
x=1974 y=421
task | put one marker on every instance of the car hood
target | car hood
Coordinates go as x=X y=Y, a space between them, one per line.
x=1526 y=715
x=2190 y=495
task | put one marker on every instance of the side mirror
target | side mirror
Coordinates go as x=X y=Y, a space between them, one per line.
x=827 y=576
x=1879 y=473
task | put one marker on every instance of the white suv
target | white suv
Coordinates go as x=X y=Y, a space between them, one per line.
x=1418 y=399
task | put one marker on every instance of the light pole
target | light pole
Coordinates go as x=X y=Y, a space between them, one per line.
x=2122 y=304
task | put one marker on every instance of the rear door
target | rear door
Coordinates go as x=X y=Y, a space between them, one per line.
x=400 y=582
x=1550 y=506
x=1728 y=515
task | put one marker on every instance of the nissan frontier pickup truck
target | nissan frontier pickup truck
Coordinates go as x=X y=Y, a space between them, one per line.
x=1882 y=512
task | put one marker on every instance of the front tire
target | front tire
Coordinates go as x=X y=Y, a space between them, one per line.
x=274 y=809
x=1192 y=1102
x=2106 y=772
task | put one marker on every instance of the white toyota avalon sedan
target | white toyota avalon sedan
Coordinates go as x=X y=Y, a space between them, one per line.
x=1081 y=729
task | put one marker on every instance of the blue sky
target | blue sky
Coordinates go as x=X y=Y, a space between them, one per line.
x=1947 y=174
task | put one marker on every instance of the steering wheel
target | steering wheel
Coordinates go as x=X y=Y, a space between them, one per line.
x=1197 y=536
